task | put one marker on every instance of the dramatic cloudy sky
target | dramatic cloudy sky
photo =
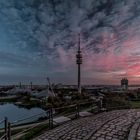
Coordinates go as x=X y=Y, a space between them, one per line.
x=38 y=38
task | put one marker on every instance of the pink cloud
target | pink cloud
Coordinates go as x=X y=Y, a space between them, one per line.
x=109 y=66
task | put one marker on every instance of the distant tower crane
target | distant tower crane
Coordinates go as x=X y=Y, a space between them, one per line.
x=50 y=87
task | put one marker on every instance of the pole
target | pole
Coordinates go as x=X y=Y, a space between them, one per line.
x=101 y=102
x=77 y=111
x=9 y=131
x=50 y=118
x=6 y=126
x=51 y=113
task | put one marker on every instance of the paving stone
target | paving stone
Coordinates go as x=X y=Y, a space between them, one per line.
x=113 y=125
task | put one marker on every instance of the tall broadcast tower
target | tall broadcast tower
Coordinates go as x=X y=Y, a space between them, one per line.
x=79 y=62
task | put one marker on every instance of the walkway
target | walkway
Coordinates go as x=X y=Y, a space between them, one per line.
x=114 y=125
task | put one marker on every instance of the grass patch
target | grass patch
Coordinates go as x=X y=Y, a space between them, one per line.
x=1 y=134
x=135 y=104
x=35 y=132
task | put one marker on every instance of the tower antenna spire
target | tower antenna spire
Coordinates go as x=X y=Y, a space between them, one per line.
x=79 y=47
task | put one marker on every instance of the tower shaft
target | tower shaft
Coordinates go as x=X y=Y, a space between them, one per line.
x=79 y=62
x=79 y=78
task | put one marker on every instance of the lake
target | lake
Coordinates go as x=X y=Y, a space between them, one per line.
x=13 y=113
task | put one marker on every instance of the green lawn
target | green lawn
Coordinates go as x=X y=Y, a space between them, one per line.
x=34 y=132
x=135 y=104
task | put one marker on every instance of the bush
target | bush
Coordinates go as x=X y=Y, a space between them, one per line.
x=116 y=101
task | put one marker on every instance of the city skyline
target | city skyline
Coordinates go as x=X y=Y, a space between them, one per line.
x=38 y=39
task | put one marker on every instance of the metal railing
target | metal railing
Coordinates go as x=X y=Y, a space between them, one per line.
x=7 y=133
x=69 y=110
x=7 y=126
x=49 y=114
x=24 y=119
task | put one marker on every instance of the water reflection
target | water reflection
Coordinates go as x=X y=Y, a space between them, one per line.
x=13 y=113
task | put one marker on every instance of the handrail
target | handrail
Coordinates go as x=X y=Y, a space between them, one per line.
x=21 y=120
x=73 y=105
x=116 y=107
x=65 y=107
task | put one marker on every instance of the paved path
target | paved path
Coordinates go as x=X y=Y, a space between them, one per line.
x=114 y=125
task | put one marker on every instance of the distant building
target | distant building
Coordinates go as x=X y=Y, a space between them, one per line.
x=124 y=84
